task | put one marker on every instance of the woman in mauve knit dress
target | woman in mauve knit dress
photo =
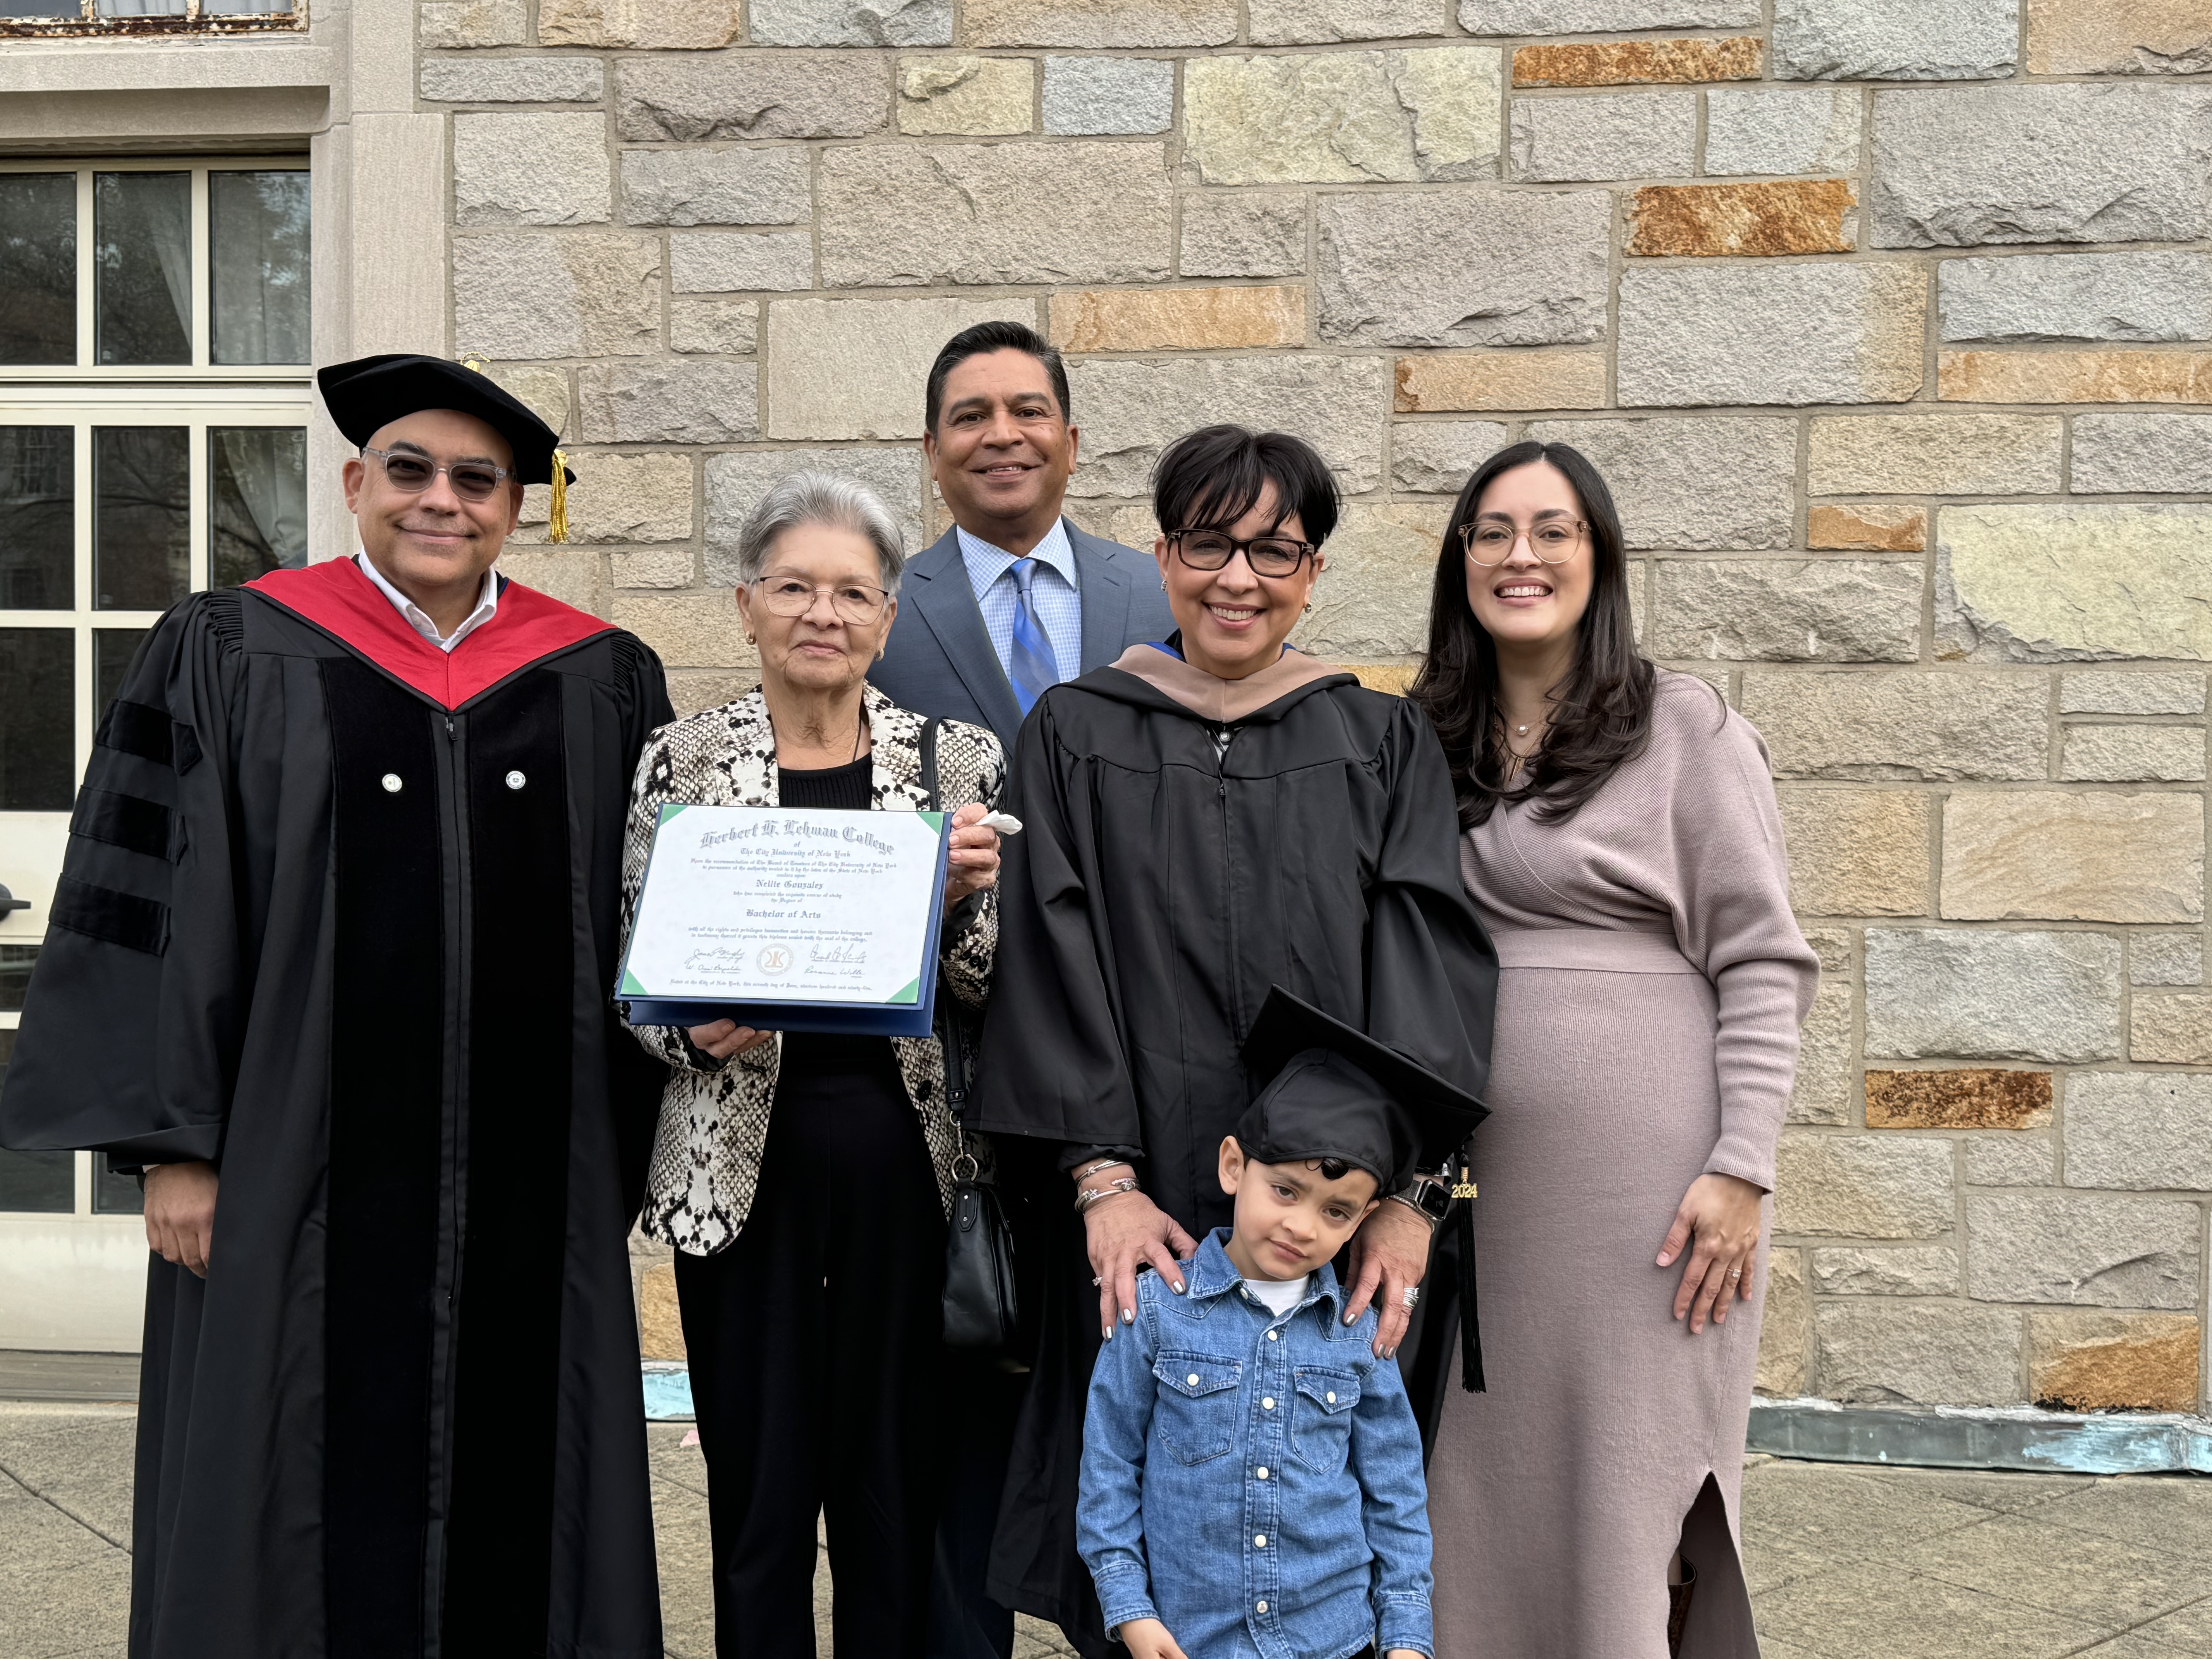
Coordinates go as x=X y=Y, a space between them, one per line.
x=1622 y=844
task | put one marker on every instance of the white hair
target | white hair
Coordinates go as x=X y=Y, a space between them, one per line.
x=801 y=498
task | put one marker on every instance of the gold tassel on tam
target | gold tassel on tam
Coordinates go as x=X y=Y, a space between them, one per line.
x=557 y=527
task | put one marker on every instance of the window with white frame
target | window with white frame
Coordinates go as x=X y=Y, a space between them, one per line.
x=144 y=17
x=154 y=397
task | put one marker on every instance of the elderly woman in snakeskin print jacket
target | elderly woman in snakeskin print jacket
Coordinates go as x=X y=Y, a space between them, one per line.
x=804 y=1179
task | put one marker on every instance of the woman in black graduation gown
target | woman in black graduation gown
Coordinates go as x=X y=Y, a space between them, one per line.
x=1205 y=818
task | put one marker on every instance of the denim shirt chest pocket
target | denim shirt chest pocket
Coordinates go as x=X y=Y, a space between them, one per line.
x=1320 y=1416
x=1197 y=1410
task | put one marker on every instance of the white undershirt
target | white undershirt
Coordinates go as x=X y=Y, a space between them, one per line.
x=417 y=619
x=1280 y=1296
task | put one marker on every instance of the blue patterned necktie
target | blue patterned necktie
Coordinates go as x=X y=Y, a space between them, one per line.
x=1033 y=667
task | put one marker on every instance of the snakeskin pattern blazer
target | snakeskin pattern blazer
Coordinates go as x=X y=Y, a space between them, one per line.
x=714 y=1115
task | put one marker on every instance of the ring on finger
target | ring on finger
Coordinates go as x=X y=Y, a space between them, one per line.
x=1735 y=1274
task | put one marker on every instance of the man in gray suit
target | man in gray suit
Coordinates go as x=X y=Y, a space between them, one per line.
x=1013 y=598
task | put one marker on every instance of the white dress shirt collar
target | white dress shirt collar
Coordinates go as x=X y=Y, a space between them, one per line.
x=487 y=602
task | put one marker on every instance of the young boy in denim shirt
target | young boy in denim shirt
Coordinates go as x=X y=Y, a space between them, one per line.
x=1251 y=1481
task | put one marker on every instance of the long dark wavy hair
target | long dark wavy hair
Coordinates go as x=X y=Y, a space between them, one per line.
x=1602 y=713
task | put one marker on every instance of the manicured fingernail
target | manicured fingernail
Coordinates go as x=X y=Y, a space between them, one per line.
x=1177 y=1284
x=1127 y=1317
x=1348 y=1318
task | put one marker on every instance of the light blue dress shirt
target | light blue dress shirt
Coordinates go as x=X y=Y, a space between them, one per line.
x=1053 y=592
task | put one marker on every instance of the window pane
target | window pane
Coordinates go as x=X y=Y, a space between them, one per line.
x=141 y=516
x=37 y=734
x=112 y=651
x=113 y=1194
x=258 y=255
x=256 y=501
x=38 y=267
x=143 y=267
x=38 y=518
x=141 y=9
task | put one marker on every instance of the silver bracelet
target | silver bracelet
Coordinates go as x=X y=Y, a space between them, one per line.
x=1402 y=1198
x=1091 y=1170
x=1090 y=1195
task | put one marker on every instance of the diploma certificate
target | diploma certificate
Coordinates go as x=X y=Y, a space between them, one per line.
x=789 y=918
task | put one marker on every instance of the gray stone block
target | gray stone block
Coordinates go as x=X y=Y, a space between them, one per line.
x=2149 y=1131
x=1916 y=1353
x=513 y=80
x=1604 y=17
x=460 y=23
x=2011 y=1160
x=1903 y=1270
x=533 y=168
x=1805 y=130
x=2126 y=754
x=1702 y=483
x=732 y=262
x=715 y=187
x=1945 y=992
x=1436 y=457
x=1464 y=268
x=850 y=22
x=535 y=296
x=2054 y=163
x=1291 y=23
x=1883 y=1186
x=746 y=96
x=2165 y=959
x=683 y=402
x=2078 y=296
x=1907 y=724
x=1373 y=600
x=735 y=482
x=1894 y=40
x=2143 y=454
x=1244 y=234
x=1822 y=610
x=2088 y=1249
x=1630 y=134
x=1765 y=333
x=2116 y=691
x=903 y=215
x=1130 y=411
x=1421 y=114
x=1108 y=94
x=858 y=368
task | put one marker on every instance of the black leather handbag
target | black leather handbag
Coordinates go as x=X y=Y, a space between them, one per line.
x=980 y=1306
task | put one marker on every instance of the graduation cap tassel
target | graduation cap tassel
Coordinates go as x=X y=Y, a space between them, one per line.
x=1470 y=1331
x=557 y=528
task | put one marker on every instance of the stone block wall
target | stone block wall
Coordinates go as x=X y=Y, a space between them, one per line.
x=1890 y=322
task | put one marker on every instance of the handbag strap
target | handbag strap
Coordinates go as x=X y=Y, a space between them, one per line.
x=949 y=1034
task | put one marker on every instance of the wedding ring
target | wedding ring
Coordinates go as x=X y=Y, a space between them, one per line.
x=1735 y=1272
x=1411 y=1295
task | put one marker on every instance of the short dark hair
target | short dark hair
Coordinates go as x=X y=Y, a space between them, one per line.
x=1210 y=478
x=987 y=337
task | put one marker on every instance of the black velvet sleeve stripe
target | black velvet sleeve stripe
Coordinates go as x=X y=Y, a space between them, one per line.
x=136 y=924
x=134 y=728
x=125 y=821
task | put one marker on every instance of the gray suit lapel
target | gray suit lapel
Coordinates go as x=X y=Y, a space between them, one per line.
x=938 y=591
x=1105 y=593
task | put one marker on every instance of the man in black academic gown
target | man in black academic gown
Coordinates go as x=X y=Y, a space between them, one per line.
x=330 y=959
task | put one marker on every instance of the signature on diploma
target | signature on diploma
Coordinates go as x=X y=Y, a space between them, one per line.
x=714 y=960
x=851 y=955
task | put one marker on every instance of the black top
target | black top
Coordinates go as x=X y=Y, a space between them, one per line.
x=845 y=788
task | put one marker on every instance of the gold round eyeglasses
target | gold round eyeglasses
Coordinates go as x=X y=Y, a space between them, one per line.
x=1552 y=540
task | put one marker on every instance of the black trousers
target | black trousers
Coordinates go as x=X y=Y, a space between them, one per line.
x=817 y=1371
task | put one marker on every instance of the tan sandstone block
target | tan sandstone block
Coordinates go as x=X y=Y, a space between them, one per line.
x=694 y=25
x=688 y=630
x=690 y=694
x=659 y=1320
x=2034 y=582
x=1392 y=677
x=1343 y=117
x=579 y=579
x=1863 y=525
x=1862 y=1186
x=966 y=94
x=2093 y=1362
x=1967 y=1098
x=1178 y=318
x=1373 y=598
x=654 y=566
x=1621 y=63
x=544 y=391
x=1858 y=852
x=2074 y=377
x=2174 y=1027
x=1934 y=455
x=1501 y=380
x=857 y=368
x=621 y=498
x=2118 y=37
x=1098 y=22
x=1810 y=215
x=2090 y=856
x=1785 y=1329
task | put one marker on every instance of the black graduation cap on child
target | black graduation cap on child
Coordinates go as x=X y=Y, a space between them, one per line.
x=1338 y=1093
x=369 y=393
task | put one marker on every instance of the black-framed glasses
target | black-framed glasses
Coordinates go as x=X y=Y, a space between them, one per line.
x=1552 y=540
x=1212 y=549
x=856 y=602
x=411 y=474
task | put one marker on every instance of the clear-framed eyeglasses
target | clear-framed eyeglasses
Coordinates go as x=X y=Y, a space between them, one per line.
x=1212 y=549
x=854 y=602
x=411 y=474
x=1552 y=540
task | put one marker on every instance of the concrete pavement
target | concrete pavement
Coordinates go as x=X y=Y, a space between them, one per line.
x=1846 y=1561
